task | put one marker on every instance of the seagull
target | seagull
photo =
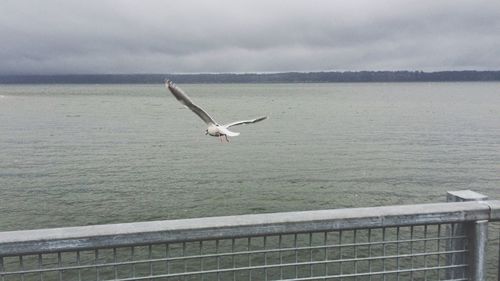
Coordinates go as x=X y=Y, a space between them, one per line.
x=214 y=129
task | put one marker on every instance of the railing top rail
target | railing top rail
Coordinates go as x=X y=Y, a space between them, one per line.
x=171 y=231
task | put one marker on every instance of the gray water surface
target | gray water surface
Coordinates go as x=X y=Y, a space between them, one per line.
x=91 y=154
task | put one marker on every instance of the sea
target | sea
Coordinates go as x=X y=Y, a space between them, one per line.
x=87 y=154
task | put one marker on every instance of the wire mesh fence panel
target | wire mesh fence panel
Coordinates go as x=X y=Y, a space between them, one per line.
x=419 y=252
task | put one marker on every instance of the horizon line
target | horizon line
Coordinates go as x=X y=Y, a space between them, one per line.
x=248 y=73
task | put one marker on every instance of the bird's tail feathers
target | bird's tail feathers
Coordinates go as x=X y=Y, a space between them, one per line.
x=228 y=133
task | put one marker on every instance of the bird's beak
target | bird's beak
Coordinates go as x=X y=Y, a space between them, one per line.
x=206 y=132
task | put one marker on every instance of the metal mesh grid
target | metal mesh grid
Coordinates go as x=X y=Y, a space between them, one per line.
x=423 y=252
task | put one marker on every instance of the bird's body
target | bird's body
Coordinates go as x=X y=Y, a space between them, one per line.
x=213 y=128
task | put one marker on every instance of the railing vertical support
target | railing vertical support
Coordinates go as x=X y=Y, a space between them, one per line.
x=477 y=234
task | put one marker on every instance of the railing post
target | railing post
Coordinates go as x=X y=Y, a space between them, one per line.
x=477 y=234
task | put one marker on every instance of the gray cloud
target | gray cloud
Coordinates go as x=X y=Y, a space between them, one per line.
x=155 y=36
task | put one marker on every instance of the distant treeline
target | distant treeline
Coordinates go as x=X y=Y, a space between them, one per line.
x=285 y=77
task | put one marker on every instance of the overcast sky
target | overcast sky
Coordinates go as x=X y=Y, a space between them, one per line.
x=99 y=36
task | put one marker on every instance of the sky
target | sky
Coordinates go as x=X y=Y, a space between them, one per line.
x=186 y=36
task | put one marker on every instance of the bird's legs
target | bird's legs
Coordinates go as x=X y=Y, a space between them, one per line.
x=222 y=139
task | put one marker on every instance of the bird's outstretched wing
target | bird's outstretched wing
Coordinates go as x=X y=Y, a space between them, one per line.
x=245 y=122
x=185 y=100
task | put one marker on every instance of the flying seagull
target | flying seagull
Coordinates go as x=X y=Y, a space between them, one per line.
x=214 y=129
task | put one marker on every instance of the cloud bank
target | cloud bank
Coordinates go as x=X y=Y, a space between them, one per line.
x=154 y=36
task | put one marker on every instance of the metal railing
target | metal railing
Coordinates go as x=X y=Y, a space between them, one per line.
x=443 y=241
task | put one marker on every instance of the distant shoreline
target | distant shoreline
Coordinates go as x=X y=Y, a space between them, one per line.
x=283 y=77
